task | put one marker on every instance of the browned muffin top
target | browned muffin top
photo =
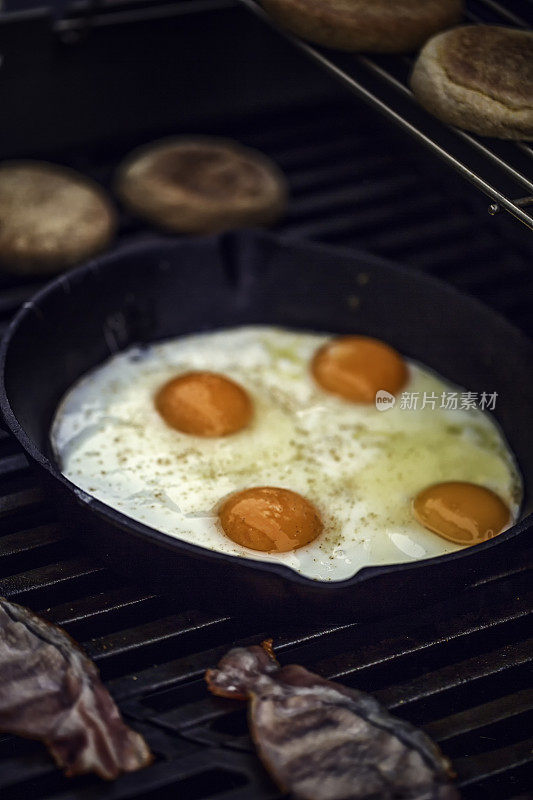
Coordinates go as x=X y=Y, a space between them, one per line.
x=493 y=60
x=50 y=217
x=218 y=174
x=384 y=10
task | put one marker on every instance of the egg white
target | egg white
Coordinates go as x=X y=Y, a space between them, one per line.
x=361 y=467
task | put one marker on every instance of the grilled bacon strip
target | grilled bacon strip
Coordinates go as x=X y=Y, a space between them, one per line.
x=322 y=741
x=51 y=691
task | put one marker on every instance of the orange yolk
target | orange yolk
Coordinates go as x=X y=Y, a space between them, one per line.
x=204 y=404
x=356 y=367
x=461 y=512
x=270 y=519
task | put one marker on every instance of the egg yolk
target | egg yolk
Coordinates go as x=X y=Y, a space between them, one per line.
x=270 y=519
x=204 y=404
x=461 y=512
x=356 y=367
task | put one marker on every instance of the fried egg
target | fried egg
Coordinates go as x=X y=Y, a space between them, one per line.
x=209 y=437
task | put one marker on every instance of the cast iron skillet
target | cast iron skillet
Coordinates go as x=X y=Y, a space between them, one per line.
x=164 y=288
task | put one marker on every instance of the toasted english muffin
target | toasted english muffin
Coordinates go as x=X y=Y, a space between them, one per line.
x=51 y=217
x=201 y=185
x=379 y=26
x=480 y=78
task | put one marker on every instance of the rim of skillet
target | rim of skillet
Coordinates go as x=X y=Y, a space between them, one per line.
x=141 y=530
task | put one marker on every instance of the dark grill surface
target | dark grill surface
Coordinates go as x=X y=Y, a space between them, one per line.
x=460 y=669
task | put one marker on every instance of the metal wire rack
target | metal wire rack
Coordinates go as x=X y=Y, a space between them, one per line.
x=502 y=170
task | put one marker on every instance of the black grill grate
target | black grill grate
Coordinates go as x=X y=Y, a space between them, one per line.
x=461 y=669
x=355 y=185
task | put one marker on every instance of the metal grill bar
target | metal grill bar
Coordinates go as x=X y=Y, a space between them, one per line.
x=502 y=709
x=474 y=142
x=421 y=126
x=504 y=13
x=98 y=14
